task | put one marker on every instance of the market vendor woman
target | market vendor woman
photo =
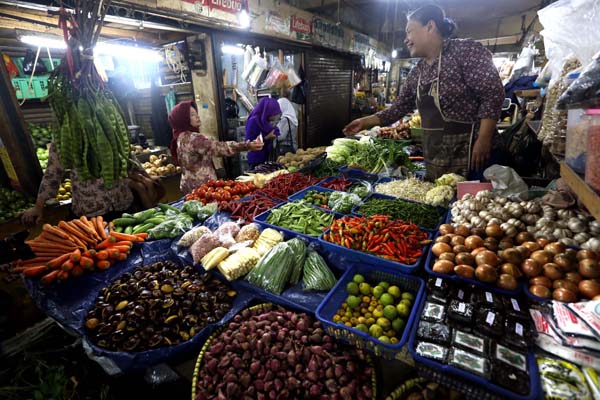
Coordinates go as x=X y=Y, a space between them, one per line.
x=457 y=90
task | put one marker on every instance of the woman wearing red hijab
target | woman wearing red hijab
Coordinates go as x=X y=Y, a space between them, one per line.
x=194 y=151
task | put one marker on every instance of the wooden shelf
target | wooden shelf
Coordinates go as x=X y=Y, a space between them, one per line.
x=584 y=193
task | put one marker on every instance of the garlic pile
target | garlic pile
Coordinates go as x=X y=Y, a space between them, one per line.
x=573 y=228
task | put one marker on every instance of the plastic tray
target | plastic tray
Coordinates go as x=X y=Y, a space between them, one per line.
x=443 y=210
x=332 y=303
x=300 y=195
x=377 y=262
x=472 y=386
x=261 y=219
x=329 y=179
x=358 y=174
x=455 y=278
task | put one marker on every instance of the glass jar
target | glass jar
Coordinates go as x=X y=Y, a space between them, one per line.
x=592 y=165
x=577 y=131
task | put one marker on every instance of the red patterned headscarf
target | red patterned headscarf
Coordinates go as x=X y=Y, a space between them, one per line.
x=179 y=119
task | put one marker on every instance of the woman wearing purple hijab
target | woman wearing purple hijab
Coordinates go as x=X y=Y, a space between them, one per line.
x=263 y=121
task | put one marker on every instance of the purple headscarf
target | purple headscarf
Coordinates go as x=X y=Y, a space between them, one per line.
x=265 y=109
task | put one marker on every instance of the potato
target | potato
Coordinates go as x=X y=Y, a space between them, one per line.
x=465 y=271
x=486 y=273
x=507 y=282
x=153 y=158
x=443 y=267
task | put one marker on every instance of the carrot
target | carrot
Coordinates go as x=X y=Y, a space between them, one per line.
x=102 y=255
x=113 y=254
x=36 y=260
x=86 y=263
x=143 y=236
x=77 y=271
x=122 y=256
x=49 y=278
x=55 y=239
x=85 y=228
x=34 y=271
x=123 y=243
x=100 y=223
x=89 y=253
x=104 y=264
x=122 y=249
x=106 y=243
x=74 y=232
x=58 y=261
x=51 y=246
x=67 y=265
x=49 y=228
x=124 y=236
x=51 y=254
x=62 y=275
x=76 y=256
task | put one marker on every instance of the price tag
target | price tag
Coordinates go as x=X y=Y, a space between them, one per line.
x=461 y=294
x=461 y=307
x=490 y=318
x=438 y=282
x=489 y=297
x=515 y=305
x=519 y=329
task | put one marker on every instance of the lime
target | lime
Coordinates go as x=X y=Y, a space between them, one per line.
x=358 y=278
x=384 y=339
x=408 y=296
x=362 y=320
x=403 y=310
x=362 y=328
x=378 y=291
x=353 y=301
x=352 y=288
x=384 y=323
x=395 y=291
x=375 y=330
x=365 y=288
x=390 y=333
x=370 y=321
x=398 y=324
x=406 y=302
x=386 y=299
x=378 y=312
x=384 y=285
x=394 y=340
x=390 y=312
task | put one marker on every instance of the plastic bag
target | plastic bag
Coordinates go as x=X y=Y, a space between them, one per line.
x=190 y=237
x=293 y=77
x=196 y=209
x=524 y=65
x=274 y=269
x=317 y=275
x=276 y=78
x=586 y=87
x=203 y=246
x=226 y=233
x=506 y=182
x=298 y=247
x=172 y=227
x=250 y=232
x=343 y=202
x=11 y=68
x=28 y=64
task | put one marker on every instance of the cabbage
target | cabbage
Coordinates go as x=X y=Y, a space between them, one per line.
x=449 y=180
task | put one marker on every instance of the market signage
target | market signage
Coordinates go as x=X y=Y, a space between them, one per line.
x=277 y=24
x=230 y=6
x=302 y=27
x=360 y=43
x=327 y=33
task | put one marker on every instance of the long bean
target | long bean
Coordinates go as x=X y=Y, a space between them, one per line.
x=420 y=214
x=301 y=218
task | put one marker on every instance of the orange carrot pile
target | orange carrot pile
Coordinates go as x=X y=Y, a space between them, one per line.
x=75 y=247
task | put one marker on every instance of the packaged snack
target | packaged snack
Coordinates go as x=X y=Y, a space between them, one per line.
x=433 y=312
x=517 y=333
x=510 y=357
x=515 y=308
x=510 y=378
x=488 y=299
x=573 y=330
x=470 y=362
x=461 y=293
x=461 y=313
x=588 y=311
x=469 y=342
x=562 y=380
x=434 y=332
x=432 y=351
x=489 y=322
x=592 y=377
x=438 y=288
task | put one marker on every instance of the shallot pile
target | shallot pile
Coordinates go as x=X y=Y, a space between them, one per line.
x=271 y=353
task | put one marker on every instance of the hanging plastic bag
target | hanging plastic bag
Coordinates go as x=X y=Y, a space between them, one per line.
x=299 y=91
x=586 y=87
x=506 y=182
x=276 y=78
x=28 y=64
x=293 y=77
x=11 y=68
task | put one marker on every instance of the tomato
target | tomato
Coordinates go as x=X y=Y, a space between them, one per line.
x=217 y=197
x=227 y=188
x=226 y=196
x=201 y=193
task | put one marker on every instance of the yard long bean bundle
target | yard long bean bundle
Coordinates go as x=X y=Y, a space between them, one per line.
x=93 y=137
x=420 y=214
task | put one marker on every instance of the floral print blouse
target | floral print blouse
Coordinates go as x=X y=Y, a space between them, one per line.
x=195 y=152
x=470 y=86
x=89 y=198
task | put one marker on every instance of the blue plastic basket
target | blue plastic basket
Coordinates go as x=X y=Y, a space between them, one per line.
x=358 y=174
x=261 y=219
x=378 y=262
x=320 y=184
x=455 y=278
x=472 y=386
x=332 y=303
x=300 y=195
x=442 y=210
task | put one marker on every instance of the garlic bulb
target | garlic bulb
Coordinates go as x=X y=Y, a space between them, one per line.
x=581 y=237
x=562 y=232
x=568 y=242
x=509 y=230
x=592 y=244
x=576 y=225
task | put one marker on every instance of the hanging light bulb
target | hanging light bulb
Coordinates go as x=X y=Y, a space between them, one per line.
x=394 y=53
x=244 y=19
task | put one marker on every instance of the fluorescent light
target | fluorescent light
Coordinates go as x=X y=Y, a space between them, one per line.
x=127 y=52
x=228 y=49
x=40 y=41
x=244 y=19
x=394 y=53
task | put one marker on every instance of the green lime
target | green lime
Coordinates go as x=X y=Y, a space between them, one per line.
x=384 y=323
x=375 y=330
x=358 y=278
x=365 y=288
x=352 y=288
x=362 y=328
x=403 y=310
x=408 y=296
x=386 y=299
x=398 y=325
x=384 y=339
x=395 y=291
x=353 y=301
x=384 y=285
x=407 y=303
x=390 y=312
x=378 y=291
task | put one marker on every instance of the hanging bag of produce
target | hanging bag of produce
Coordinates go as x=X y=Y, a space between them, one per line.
x=31 y=67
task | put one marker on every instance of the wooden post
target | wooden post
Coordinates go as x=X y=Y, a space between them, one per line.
x=16 y=146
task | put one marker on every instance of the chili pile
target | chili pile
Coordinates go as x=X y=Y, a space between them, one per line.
x=381 y=236
x=282 y=186
x=421 y=214
x=342 y=184
x=248 y=209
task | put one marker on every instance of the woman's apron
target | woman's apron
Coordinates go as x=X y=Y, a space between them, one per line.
x=446 y=143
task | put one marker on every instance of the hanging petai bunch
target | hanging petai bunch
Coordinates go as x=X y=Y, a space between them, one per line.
x=93 y=137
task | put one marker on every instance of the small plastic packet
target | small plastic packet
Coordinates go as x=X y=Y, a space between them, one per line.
x=510 y=357
x=515 y=308
x=203 y=246
x=488 y=299
x=461 y=313
x=470 y=362
x=433 y=312
x=516 y=334
x=461 y=293
x=489 y=322
x=510 y=378
x=190 y=237
x=248 y=232
x=432 y=351
x=438 y=289
x=470 y=342
x=226 y=233
x=434 y=332
x=562 y=380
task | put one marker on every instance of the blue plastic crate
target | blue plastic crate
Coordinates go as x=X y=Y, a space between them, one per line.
x=442 y=210
x=378 y=262
x=358 y=174
x=300 y=195
x=332 y=303
x=261 y=219
x=472 y=386
x=320 y=184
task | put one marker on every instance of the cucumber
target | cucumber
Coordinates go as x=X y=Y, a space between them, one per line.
x=126 y=215
x=155 y=220
x=144 y=215
x=119 y=229
x=124 y=221
x=129 y=230
x=142 y=228
x=167 y=207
